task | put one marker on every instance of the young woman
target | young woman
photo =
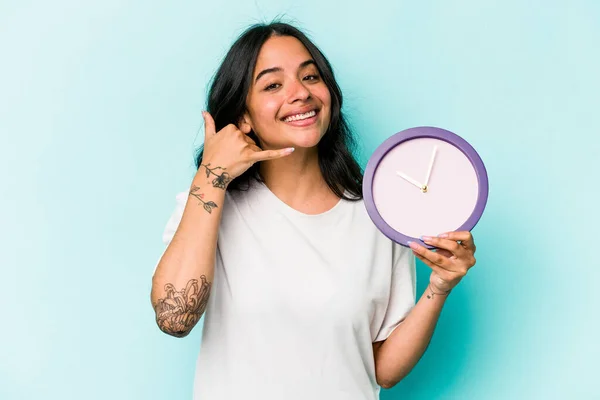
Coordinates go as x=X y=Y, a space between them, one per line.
x=304 y=297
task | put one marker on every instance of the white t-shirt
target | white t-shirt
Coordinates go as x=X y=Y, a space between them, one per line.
x=297 y=300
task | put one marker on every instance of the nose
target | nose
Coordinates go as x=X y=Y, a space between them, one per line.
x=298 y=92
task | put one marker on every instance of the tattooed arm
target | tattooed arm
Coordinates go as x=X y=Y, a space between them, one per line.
x=183 y=278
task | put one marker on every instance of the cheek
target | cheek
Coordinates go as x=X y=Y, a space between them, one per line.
x=326 y=100
x=325 y=97
x=266 y=111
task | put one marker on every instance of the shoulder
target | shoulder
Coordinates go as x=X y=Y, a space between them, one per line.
x=175 y=217
x=181 y=198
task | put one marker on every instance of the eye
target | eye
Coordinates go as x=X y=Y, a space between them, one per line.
x=311 y=77
x=272 y=86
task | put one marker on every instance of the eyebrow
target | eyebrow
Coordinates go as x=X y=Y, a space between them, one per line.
x=279 y=69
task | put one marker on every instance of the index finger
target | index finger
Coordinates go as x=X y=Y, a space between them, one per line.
x=464 y=237
x=209 y=124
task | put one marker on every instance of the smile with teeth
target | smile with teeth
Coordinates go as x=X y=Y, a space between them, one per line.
x=299 y=117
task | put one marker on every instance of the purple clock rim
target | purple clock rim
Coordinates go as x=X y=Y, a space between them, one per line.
x=424 y=132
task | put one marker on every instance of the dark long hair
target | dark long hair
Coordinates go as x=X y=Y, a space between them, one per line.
x=227 y=104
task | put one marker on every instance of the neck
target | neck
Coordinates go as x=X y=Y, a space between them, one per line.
x=296 y=178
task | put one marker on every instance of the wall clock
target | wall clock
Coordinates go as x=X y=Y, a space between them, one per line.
x=424 y=181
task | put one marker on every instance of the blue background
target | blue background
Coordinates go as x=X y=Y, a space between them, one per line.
x=99 y=117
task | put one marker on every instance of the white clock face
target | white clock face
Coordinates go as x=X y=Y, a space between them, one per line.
x=425 y=186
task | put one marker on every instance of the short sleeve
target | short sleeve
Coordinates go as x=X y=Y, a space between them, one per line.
x=175 y=219
x=403 y=290
x=173 y=222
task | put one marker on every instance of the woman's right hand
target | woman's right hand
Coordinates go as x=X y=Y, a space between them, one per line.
x=230 y=152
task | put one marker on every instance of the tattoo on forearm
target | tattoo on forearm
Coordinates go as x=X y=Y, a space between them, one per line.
x=222 y=180
x=208 y=205
x=179 y=311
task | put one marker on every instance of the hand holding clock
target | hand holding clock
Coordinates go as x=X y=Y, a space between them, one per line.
x=455 y=250
x=461 y=189
x=454 y=257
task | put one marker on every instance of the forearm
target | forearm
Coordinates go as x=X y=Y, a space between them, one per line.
x=401 y=351
x=184 y=275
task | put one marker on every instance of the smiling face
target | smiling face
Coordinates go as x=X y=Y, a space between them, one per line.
x=288 y=104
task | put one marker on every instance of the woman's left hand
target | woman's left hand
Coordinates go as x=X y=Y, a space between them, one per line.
x=450 y=262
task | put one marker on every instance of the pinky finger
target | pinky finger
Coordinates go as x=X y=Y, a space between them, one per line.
x=270 y=154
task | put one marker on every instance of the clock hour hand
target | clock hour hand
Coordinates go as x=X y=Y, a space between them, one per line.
x=409 y=179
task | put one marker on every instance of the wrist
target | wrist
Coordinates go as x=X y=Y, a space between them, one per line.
x=213 y=175
x=433 y=291
x=208 y=185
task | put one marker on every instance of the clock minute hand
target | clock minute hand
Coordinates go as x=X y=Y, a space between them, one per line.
x=430 y=165
x=409 y=179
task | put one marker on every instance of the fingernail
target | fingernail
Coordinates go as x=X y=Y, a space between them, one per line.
x=443 y=235
x=425 y=238
x=412 y=244
x=290 y=150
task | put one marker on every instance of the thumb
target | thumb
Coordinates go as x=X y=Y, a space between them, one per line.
x=209 y=124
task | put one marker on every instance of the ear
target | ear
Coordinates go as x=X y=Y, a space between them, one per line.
x=245 y=124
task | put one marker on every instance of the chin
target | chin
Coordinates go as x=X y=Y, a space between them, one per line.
x=305 y=140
